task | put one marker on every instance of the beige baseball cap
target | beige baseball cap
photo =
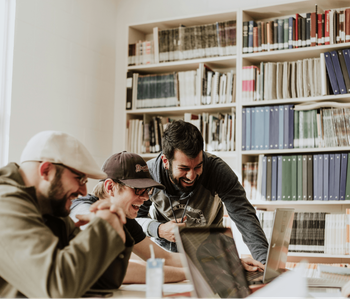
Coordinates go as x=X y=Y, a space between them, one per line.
x=61 y=148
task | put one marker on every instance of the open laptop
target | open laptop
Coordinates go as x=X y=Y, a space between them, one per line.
x=213 y=263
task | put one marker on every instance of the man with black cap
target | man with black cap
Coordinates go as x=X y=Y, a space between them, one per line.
x=128 y=185
x=42 y=253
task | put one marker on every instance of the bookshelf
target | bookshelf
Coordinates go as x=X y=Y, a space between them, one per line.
x=238 y=157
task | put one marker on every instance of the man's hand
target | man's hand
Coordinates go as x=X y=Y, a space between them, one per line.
x=166 y=230
x=111 y=213
x=251 y=264
x=116 y=218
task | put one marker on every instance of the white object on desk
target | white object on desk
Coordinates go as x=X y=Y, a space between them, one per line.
x=154 y=276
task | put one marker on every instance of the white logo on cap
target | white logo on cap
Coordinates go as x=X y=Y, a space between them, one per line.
x=140 y=168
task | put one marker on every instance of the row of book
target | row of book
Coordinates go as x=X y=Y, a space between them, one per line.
x=304 y=30
x=218 y=131
x=188 y=88
x=282 y=80
x=181 y=43
x=141 y=53
x=283 y=127
x=308 y=231
x=322 y=176
x=314 y=232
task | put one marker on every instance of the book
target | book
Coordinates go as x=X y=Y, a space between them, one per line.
x=274 y=176
x=274 y=127
x=286 y=177
x=245 y=36
x=305 y=177
x=326 y=177
x=244 y=128
x=316 y=190
x=263 y=179
x=331 y=189
x=299 y=177
x=267 y=127
x=294 y=182
x=331 y=73
x=251 y=26
x=336 y=181
x=129 y=90
x=338 y=72
x=291 y=32
x=319 y=174
x=268 y=177
x=279 y=177
x=309 y=177
x=248 y=128
x=343 y=175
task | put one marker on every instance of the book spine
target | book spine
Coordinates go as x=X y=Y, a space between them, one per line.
x=280 y=25
x=326 y=27
x=285 y=33
x=343 y=170
x=245 y=36
x=275 y=34
x=309 y=177
x=313 y=29
x=347 y=25
x=290 y=33
x=129 y=90
x=320 y=177
x=250 y=36
x=308 y=24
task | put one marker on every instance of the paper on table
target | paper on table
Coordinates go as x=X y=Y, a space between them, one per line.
x=290 y=284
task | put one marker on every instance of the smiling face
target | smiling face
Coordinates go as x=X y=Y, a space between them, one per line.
x=126 y=199
x=183 y=170
x=63 y=189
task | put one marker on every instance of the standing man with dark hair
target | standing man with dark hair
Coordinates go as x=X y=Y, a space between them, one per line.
x=42 y=253
x=196 y=186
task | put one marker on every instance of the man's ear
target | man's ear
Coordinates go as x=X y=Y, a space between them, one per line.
x=45 y=168
x=165 y=161
x=109 y=186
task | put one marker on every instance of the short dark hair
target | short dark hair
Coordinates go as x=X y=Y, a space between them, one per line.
x=183 y=136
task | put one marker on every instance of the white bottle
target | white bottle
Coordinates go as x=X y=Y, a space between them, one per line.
x=154 y=276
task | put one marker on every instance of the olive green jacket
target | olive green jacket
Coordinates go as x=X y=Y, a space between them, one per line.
x=48 y=257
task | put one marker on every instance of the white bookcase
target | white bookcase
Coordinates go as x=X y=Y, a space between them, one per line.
x=236 y=158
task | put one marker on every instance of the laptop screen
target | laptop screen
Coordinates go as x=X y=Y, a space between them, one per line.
x=211 y=254
x=278 y=248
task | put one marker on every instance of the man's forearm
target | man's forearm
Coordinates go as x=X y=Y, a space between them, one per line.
x=136 y=273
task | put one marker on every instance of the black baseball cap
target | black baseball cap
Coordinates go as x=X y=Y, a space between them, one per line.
x=131 y=169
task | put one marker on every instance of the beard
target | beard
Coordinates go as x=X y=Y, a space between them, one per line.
x=58 y=205
x=177 y=181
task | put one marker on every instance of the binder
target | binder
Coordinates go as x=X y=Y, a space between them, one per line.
x=263 y=179
x=326 y=177
x=267 y=127
x=336 y=176
x=320 y=177
x=331 y=73
x=243 y=129
x=338 y=72
x=279 y=177
x=344 y=70
x=343 y=175
x=274 y=176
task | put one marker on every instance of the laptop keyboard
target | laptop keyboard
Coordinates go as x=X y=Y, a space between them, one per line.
x=253 y=275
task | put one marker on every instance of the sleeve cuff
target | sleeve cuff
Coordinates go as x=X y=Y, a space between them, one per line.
x=153 y=229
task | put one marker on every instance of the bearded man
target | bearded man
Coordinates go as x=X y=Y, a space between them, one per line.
x=42 y=253
x=197 y=184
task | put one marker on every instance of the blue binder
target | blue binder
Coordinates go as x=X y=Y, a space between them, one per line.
x=263 y=181
x=336 y=175
x=259 y=128
x=326 y=177
x=331 y=73
x=281 y=126
x=338 y=72
x=315 y=177
x=343 y=171
x=248 y=126
x=267 y=127
x=243 y=129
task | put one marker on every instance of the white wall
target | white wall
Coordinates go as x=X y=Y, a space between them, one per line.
x=64 y=72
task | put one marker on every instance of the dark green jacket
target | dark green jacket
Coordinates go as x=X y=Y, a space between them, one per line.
x=48 y=257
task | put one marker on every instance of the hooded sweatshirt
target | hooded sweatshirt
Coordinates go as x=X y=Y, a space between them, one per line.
x=203 y=206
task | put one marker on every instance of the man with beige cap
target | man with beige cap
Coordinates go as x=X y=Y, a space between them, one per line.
x=42 y=253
